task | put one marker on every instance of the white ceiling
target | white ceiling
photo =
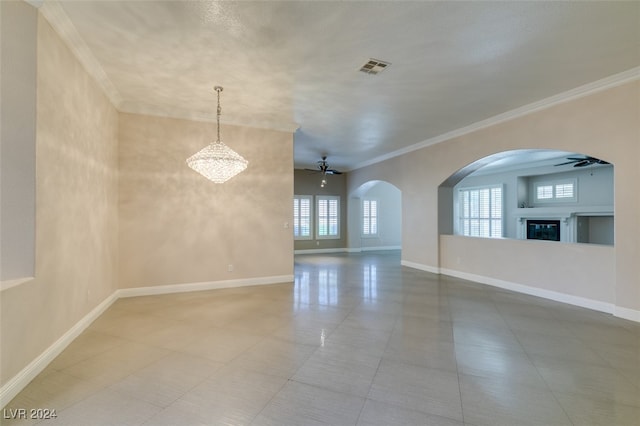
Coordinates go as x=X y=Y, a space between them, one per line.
x=294 y=65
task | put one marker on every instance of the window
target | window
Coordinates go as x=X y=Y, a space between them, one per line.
x=564 y=190
x=556 y=191
x=328 y=217
x=302 y=217
x=544 y=192
x=369 y=217
x=481 y=212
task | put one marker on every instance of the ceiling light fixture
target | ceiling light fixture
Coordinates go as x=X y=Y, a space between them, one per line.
x=216 y=161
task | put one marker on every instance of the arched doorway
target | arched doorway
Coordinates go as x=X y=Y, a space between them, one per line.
x=375 y=217
x=560 y=268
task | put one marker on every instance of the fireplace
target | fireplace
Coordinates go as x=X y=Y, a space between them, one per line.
x=538 y=229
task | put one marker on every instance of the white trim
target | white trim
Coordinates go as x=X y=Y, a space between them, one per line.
x=35 y=3
x=579 y=92
x=200 y=286
x=55 y=14
x=626 y=313
x=583 y=302
x=18 y=382
x=345 y=250
x=420 y=266
x=378 y=248
x=35 y=367
x=7 y=284
x=326 y=250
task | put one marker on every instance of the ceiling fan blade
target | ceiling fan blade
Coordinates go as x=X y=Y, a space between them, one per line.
x=313 y=170
x=333 y=172
x=583 y=163
x=569 y=162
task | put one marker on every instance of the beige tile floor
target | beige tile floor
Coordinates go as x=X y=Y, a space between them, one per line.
x=357 y=339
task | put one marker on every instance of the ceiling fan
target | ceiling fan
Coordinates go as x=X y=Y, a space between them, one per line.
x=323 y=167
x=583 y=162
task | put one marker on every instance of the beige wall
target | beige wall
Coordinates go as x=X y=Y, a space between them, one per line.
x=604 y=124
x=173 y=225
x=580 y=270
x=177 y=227
x=77 y=210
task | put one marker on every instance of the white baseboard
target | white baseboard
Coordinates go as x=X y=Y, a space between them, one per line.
x=7 y=284
x=583 y=302
x=326 y=250
x=381 y=248
x=208 y=285
x=420 y=266
x=35 y=367
x=346 y=250
x=626 y=313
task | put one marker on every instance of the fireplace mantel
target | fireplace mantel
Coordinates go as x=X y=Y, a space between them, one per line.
x=566 y=215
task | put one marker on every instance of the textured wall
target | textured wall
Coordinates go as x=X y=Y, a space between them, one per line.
x=77 y=210
x=176 y=227
x=604 y=125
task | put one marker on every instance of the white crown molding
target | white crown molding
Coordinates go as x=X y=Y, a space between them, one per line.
x=175 y=113
x=579 y=92
x=54 y=13
x=35 y=3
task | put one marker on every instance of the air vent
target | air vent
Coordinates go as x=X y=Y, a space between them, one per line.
x=374 y=66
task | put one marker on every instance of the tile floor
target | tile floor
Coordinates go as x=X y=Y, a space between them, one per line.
x=356 y=340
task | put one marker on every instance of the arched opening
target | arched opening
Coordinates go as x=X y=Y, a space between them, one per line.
x=563 y=267
x=375 y=217
x=531 y=194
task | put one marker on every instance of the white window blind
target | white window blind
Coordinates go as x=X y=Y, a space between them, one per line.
x=481 y=212
x=562 y=191
x=369 y=217
x=544 y=192
x=302 y=217
x=328 y=217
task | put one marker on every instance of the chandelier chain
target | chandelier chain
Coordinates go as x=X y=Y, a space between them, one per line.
x=219 y=110
x=216 y=161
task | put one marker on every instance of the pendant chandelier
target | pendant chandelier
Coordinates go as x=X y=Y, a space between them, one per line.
x=216 y=161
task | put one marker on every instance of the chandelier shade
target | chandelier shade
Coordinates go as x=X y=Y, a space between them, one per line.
x=216 y=161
